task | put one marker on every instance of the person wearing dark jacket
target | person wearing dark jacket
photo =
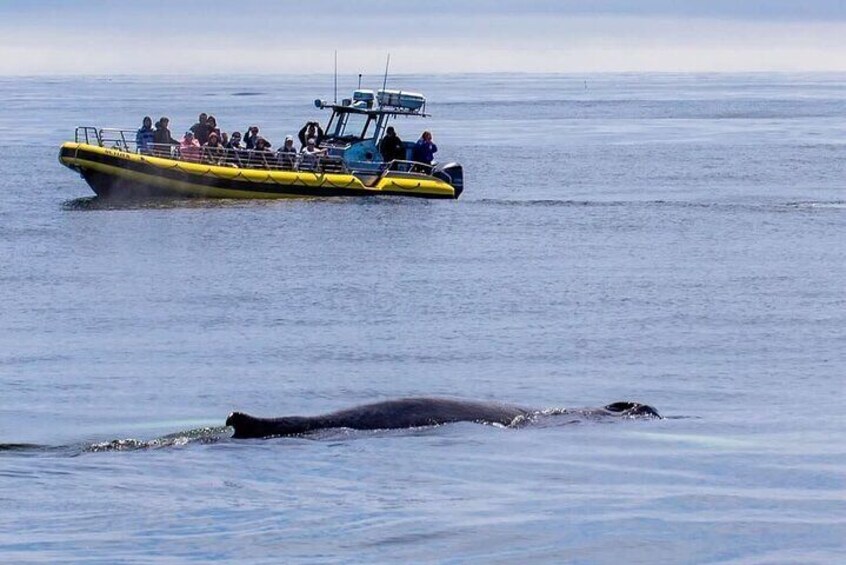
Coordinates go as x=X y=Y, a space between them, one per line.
x=211 y=123
x=251 y=137
x=311 y=130
x=162 y=140
x=234 y=141
x=391 y=146
x=201 y=129
x=162 y=134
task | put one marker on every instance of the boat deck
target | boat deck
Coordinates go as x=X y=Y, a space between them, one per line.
x=124 y=140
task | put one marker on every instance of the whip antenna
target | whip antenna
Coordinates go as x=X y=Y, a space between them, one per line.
x=387 y=64
x=336 y=76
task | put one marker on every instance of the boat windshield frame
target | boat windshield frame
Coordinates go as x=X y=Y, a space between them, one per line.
x=336 y=127
x=341 y=131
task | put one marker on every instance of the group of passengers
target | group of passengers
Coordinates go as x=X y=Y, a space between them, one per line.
x=392 y=148
x=205 y=140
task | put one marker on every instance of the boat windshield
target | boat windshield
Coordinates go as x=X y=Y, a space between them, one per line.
x=355 y=126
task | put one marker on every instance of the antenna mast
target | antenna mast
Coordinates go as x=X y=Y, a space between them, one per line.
x=336 y=76
x=387 y=64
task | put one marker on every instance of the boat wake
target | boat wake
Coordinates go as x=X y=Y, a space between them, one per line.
x=179 y=439
x=197 y=436
x=767 y=206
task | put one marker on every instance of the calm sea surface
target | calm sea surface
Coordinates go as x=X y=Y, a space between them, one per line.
x=673 y=239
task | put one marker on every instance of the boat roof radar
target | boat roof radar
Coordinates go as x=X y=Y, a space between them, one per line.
x=363 y=98
x=408 y=101
x=394 y=102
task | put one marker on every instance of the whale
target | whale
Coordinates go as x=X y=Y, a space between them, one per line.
x=413 y=413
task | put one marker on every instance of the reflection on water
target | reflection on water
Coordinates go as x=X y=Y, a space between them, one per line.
x=98 y=203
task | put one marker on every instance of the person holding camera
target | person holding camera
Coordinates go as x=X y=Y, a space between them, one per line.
x=251 y=137
x=424 y=150
x=311 y=130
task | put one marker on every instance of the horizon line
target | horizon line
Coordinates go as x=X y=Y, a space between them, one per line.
x=418 y=74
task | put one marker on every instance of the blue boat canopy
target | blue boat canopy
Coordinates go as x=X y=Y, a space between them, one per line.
x=358 y=124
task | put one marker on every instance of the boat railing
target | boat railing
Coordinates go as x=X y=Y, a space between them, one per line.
x=403 y=166
x=121 y=139
x=124 y=140
x=377 y=170
x=247 y=158
x=88 y=135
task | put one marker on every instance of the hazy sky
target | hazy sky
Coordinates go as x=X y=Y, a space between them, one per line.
x=226 y=36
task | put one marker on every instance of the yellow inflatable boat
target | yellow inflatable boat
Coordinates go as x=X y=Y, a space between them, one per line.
x=349 y=163
x=118 y=172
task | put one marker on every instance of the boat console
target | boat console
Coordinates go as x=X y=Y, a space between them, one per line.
x=357 y=124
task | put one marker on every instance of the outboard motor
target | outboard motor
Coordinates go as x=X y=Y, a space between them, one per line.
x=452 y=173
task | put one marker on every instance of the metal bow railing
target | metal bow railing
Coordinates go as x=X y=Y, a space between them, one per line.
x=125 y=140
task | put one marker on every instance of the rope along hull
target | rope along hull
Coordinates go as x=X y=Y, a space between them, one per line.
x=117 y=173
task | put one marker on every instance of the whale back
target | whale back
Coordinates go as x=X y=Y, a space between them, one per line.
x=409 y=413
x=418 y=412
x=387 y=415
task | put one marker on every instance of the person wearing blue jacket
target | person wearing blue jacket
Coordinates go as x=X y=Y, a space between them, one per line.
x=145 y=135
x=424 y=150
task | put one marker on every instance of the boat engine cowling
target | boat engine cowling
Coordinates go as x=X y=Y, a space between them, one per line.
x=452 y=173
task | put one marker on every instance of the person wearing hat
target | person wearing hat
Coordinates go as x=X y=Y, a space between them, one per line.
x=287 y=154
x=213 y=140
x=310 y=154
x=189 y=148
x=263 y=145
x=234 y=141
x=213 y=151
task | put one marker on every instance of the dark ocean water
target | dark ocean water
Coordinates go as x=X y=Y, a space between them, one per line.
x=672 y=239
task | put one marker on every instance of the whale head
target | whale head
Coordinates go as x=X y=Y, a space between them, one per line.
x=633 y=410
